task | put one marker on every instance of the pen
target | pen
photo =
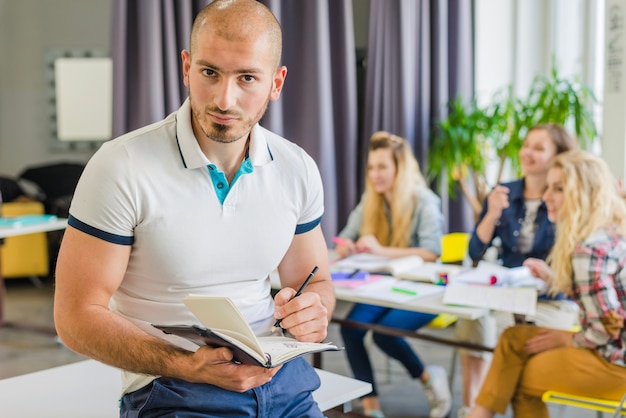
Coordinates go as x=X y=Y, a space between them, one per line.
x=298 y=293
x=405 y=291
x=354 y=273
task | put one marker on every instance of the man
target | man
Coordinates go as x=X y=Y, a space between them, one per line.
x=205 y=202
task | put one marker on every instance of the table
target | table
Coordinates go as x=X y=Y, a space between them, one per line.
x=429 y=304
x=90 y=389
x=47 y=226
x=6 y=232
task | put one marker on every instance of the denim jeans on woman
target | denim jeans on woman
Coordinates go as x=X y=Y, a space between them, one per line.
x=395 y=347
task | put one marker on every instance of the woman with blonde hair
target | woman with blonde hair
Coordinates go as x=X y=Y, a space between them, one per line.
x=515 y=217
x=587 y=262
x=398 y=215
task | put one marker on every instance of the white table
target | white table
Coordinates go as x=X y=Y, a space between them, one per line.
x=47 y=226
x=428 y=304
x=89 y=389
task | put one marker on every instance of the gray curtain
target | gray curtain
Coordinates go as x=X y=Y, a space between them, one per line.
x=148 y=37
x=419 y=58
x=318 y=107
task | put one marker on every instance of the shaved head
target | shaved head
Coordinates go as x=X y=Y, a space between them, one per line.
x=239 y=20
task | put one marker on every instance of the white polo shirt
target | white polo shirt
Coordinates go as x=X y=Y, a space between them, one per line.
x=152 y=189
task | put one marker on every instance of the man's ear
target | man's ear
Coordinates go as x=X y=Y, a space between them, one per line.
x=278 y=83
x=186 y=63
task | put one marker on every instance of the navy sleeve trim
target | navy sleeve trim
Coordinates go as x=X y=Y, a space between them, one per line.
x=302 y=228
x=87 y=229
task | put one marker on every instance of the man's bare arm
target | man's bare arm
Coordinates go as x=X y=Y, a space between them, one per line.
x=307 y=316
x=89 y=271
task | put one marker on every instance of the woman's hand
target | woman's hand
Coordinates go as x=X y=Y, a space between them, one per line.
x=497 y=201
x=548 y=339
x=539 y=268
x=369 y=244
x=344 y=247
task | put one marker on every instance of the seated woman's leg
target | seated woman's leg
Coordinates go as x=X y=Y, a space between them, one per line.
x=475 y=364
x=507 y=366
x=397 y=347
x=434 y=378
x=354 y=344
x=520 y=378
x=578 y=371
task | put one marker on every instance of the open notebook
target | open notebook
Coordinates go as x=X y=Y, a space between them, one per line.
x=226 y=327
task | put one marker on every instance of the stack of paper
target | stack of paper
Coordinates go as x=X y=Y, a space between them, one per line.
x=411 y=267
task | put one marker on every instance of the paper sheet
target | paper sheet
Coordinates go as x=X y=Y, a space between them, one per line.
x=520 y=300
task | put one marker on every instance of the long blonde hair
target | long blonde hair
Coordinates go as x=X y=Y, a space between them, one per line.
x=590 y=202
x=404 y=198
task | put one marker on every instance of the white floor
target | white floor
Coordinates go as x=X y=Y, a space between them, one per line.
x=23 y=351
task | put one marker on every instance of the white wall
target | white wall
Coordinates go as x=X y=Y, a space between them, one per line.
x=29 y=29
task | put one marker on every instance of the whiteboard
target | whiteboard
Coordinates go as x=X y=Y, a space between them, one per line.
x=84 y=98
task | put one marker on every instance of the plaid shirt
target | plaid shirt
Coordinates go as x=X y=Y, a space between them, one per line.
x=599 y=287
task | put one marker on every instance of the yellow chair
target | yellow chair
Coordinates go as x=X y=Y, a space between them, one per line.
x=600 y=405
x=24 y=255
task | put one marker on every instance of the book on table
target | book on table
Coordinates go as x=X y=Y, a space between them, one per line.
x=410 y=267
x=225 y=326
x=493 y=286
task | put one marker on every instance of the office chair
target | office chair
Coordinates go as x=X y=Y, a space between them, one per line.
x=599 y=405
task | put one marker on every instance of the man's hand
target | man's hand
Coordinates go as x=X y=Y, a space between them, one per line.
x=215 y=366
x=548 y=339
x=305 y=317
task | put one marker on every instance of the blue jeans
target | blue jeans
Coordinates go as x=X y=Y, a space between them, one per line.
x=395 y=347
x=288 y=394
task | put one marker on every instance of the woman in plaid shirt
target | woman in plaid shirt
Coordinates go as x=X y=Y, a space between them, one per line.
x=587 y=261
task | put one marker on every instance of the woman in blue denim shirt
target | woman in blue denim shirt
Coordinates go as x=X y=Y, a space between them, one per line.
x=508 y=227
x=398 y=216
x=515 y=214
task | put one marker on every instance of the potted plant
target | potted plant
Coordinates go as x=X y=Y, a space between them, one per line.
x=470 y=136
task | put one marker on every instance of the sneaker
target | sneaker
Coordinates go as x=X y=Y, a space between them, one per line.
x=438 y=392
x=374 y=413
x=463 y=412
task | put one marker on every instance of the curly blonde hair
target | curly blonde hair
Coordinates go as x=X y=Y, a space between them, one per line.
x=404 y=201
x=591 y=202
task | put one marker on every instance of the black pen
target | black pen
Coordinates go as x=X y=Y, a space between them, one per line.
x=354 y=273
x=298 y=293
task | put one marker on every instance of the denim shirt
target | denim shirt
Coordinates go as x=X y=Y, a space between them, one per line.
x=508 y=229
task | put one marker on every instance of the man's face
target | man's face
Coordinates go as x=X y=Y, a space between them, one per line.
x=231 y=82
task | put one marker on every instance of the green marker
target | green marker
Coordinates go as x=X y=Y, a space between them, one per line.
x=405 y=291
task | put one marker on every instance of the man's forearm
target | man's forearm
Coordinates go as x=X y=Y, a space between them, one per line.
x=113 y=340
